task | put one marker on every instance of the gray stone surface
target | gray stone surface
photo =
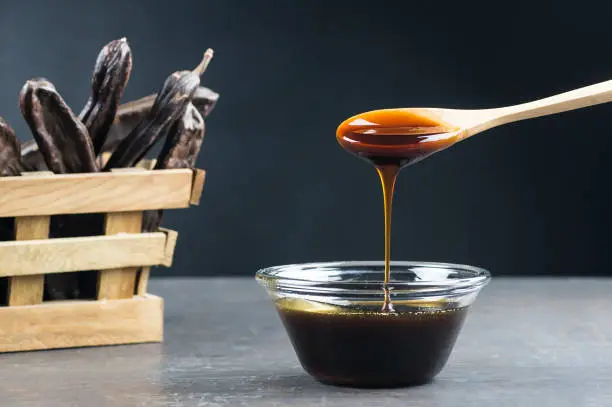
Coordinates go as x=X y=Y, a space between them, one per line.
x=527 y=342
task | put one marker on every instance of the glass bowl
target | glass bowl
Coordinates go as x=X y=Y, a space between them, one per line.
x=333 y=315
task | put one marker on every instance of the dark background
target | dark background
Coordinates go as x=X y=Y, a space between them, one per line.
x=528 y=198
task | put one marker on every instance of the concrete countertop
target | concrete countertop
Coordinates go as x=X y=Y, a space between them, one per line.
x=527 y=342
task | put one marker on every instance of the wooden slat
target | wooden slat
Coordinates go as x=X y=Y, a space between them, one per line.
x=143 y=281
x=66 y=324
x=26 y=290
x=145 y=272
x=82 y=253
x=171 y=239
x=29 y=289
x=198 y=184
x=119 y=283
x=91 y=193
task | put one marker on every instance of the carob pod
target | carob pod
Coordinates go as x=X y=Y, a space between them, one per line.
x=183 y=144
x=64 y=143
x=170 y=104
x=10 y=151
x=131 y=113
x=10 y=165
x=205 y=100
x=31 y=157
x=111 y=74
x=128 y=116
x=62 y=138
x=180 y=150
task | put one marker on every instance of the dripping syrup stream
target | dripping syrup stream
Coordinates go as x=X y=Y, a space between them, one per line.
x=388 y=175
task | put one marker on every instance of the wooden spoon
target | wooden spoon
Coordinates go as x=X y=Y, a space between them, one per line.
x=472 y=122
x=411 y=134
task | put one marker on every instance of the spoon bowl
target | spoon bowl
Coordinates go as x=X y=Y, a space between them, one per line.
x=416 y=133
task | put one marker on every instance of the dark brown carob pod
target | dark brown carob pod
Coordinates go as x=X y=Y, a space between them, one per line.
x=64 y=285
x=131 y=113
x=111 y=74
x=170 y=104
x=10 y=151
x=183 y=144
x=180 y=150
x=64 y=143
x=31 y=157
x=10 y=165
x=205 y=100
x=62 y=138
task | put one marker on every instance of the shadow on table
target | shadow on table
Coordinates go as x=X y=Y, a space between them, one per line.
x=293 y=385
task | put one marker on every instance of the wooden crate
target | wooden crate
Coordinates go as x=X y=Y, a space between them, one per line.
x=122 y=311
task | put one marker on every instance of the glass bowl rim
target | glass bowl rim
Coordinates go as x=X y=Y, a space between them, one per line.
x=270 y=277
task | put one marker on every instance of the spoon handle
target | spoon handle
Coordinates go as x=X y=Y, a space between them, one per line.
x=575 y=99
